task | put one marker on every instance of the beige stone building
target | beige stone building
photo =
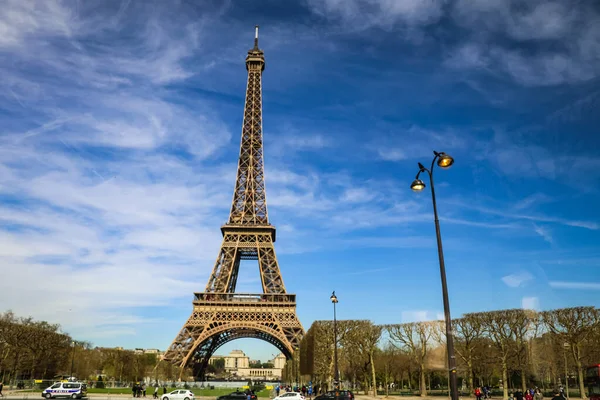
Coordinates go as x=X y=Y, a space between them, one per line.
x=238 y=364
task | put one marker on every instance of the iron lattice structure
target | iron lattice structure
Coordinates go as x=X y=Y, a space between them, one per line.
x=220 y=315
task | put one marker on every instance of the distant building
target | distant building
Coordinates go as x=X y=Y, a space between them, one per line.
x=238 y=364
x=137 y=350
x=279 y=361
x=235 y=360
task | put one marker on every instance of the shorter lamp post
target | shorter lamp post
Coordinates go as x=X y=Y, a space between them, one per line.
x=565 y=347
x=72 y=359
x=442 y=160
x=336 y=378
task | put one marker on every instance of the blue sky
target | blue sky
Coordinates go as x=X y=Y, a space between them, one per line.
x=120 y=125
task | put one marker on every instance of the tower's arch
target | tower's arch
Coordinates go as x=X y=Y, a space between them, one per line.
x=208 y=344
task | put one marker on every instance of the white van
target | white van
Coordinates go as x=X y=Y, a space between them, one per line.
x=74 y=390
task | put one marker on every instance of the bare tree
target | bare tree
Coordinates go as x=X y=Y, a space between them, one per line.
x=575 y=326
x=522 y=323
x=363 y=337
x=497 y=325
x=415 y=338
x=467 y=330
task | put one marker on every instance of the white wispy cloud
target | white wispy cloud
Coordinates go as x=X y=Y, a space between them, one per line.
x=571 y=33
x=96 y=200
x=517 y=279
x=575 y=285
x=416 y=142
x=531 y=200
x=530 y=303
x=356 y=15
x=535 y=217
x=544 y=232
x=419 y=316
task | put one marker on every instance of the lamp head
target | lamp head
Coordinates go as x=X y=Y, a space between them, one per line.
x=417 y=185
x=333 y=297
x=444 y=160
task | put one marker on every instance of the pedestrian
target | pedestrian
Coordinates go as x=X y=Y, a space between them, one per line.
x=478 y=393
x=155 y=395
x=528 y=395
x=538 y=395
x=519 y=395
x=165 y=389
x=1 y=387
x=558 y=395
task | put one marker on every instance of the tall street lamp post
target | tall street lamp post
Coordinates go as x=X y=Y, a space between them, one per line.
x=72 y=358
x=336 y=378
x=443 y=160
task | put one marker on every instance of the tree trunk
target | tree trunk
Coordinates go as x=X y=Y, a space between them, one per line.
x=387 y=382
x=580 y=371
x=373 y=374
x=422 y=384
x=523 y=381
x=15 y=365
x=504 y=379
x=470 y=374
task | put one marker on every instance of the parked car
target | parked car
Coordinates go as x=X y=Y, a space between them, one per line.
x=290 y=396
x=180 y=394
x=74 y=390
x=237 y=395
x=336 y=395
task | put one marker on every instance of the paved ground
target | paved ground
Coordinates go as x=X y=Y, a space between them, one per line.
x=15 y=395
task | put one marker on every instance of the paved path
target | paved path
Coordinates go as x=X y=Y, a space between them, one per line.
x=18 y=395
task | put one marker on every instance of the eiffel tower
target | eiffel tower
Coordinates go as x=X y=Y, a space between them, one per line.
x=219 y=314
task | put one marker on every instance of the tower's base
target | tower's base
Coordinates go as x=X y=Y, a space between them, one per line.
x=219 y=318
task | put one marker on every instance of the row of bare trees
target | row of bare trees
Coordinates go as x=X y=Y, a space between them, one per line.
x=32 y=349
x=506 y=348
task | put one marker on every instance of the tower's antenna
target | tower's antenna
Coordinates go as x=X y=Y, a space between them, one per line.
x=256 y=37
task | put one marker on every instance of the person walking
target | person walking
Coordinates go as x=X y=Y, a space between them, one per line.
x=478 y=393
x=558 y=395
x=519 y=395
x=528 y=395
x=1 y=387
x=155 y=395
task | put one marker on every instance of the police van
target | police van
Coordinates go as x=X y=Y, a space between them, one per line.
x=74 y=390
